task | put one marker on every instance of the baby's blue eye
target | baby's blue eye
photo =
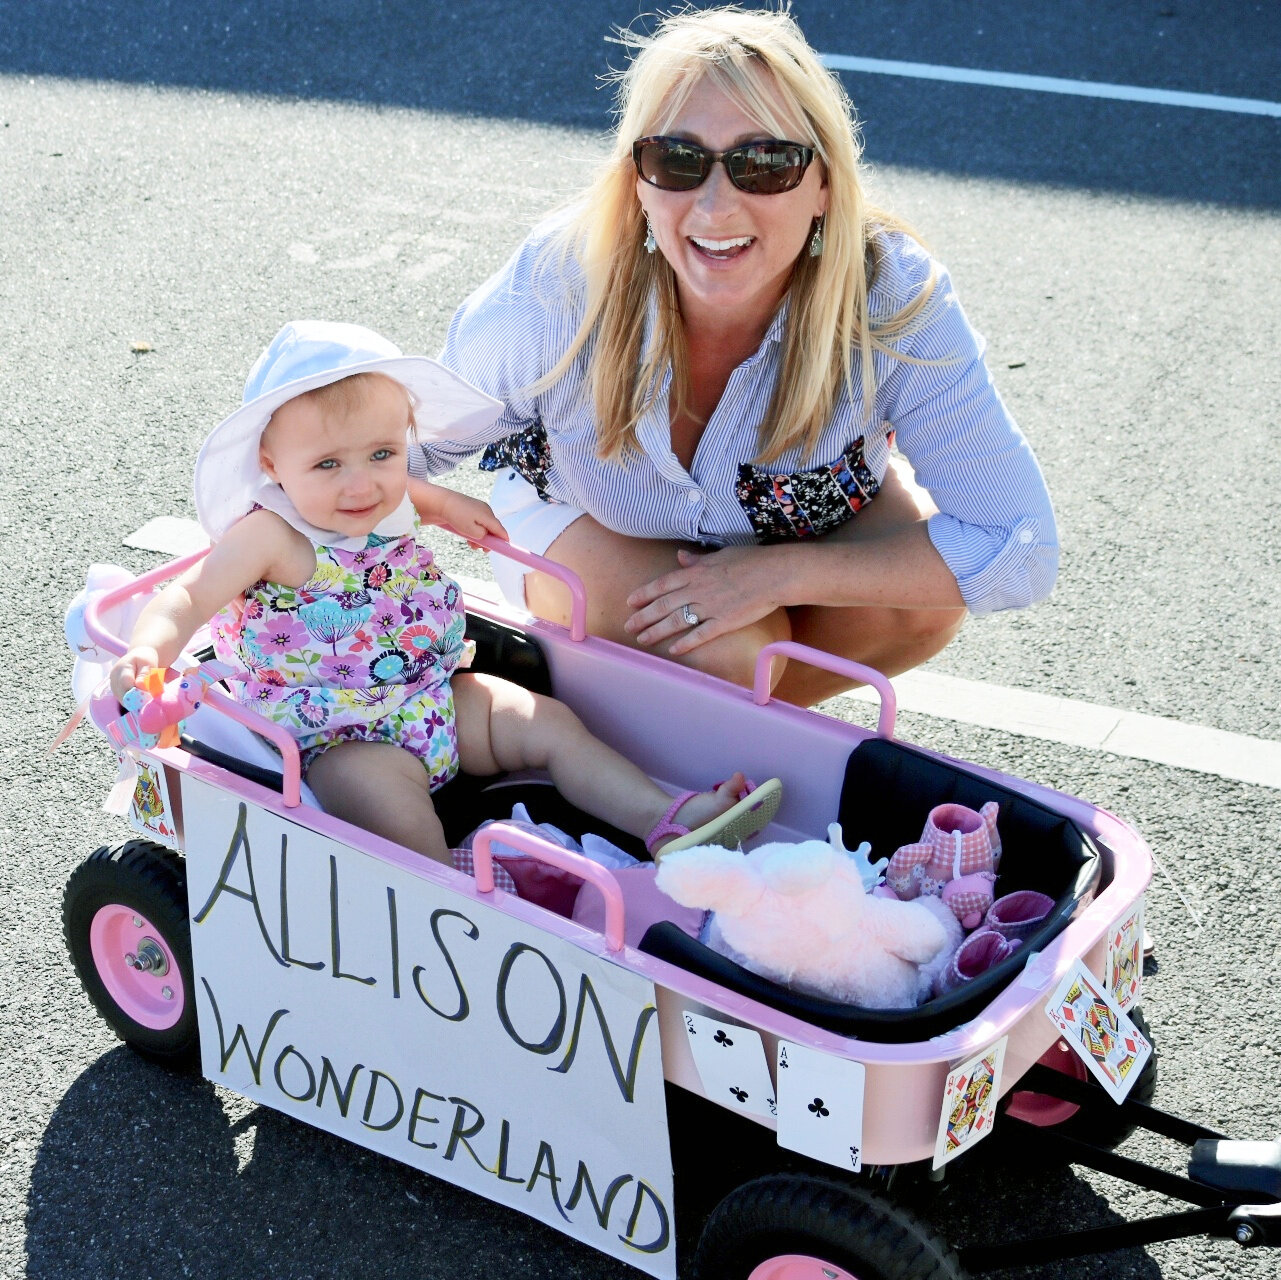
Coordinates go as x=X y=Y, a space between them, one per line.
x=381 y=455
x=327 y=465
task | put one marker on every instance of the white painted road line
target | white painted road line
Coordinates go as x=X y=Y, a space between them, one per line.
x=989 y=706
x=1051 y=84
x=1086 y=724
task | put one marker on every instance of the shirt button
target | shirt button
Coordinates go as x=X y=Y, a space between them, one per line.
x=1025 y=536
x=694 y=495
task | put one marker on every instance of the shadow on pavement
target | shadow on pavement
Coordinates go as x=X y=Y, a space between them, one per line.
x=142 y=1173
x=492 y=58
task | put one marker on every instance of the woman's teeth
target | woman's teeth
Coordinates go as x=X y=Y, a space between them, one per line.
x=721 y=246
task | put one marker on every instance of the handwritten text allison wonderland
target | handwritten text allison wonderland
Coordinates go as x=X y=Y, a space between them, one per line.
x=406 y=1017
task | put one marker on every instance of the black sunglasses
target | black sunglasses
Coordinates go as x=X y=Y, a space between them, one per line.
x=765 y=168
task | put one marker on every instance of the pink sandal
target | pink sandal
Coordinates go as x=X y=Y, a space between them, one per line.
x=754 y=811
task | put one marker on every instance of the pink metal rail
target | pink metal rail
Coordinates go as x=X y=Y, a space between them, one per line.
x=279 y=737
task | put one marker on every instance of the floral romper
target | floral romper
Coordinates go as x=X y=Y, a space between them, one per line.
x=363 y=652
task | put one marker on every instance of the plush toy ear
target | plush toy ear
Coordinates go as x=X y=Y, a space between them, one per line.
x=794 y=869
x=711 y=877
x=101 y=579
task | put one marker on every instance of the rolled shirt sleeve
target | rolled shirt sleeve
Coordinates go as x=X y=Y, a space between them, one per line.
x=995 y=526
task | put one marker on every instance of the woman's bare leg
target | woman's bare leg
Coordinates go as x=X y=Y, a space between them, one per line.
x=612 y=566
x=502 y=726
x=382 y=788
x=891 y=640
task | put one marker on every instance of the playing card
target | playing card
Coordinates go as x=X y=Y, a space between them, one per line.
x=969 y=1103
x=150 y=812
x=1099 y=1031
x=731 y=1064
x=820 y=1105
x=1125 y=957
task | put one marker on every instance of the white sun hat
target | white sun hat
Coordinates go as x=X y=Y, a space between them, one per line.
x=304 y=355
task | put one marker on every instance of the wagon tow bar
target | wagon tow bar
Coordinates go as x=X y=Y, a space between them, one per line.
x=1235 y=1184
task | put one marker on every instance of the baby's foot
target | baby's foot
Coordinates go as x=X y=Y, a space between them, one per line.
x=725 y=816
x=707 y=805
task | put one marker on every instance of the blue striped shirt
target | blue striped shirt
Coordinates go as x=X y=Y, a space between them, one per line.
x=994 y=527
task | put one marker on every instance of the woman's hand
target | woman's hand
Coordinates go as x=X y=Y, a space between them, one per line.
x=710 y=595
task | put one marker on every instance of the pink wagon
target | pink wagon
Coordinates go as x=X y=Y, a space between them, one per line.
x=532 y=1048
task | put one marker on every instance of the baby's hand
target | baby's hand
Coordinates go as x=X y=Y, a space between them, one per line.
x=470 y=517
x=128 y=671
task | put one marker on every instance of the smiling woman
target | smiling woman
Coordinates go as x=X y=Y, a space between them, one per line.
x=708 y=365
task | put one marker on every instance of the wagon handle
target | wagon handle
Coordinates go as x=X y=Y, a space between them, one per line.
x=828 y=662
x=544 y=851
x=532 y=560
x=279 y=737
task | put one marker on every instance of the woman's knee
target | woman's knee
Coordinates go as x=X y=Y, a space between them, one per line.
x=895 y=640
x=928 y=626
x=734 y=656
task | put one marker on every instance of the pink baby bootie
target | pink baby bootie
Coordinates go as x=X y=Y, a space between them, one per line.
x=908 y=871
x=1016 y=915
x=966 y=839
x=956 y=858
x=979 y=952
x=969 y=897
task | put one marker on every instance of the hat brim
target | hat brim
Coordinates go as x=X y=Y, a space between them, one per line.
x=228 y=474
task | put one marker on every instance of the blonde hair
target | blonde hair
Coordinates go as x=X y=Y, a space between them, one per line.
x=350 y=394
x=764 y=66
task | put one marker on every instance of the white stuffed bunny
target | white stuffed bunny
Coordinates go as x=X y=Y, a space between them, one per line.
x=801 y=914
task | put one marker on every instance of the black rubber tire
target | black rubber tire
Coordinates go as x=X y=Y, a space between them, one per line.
x=152 y=880
x=843 y=1226
x=1103 y=1124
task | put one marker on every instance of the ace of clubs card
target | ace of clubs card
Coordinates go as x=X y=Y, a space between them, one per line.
x=1099 y=1031
x=820 y=1105
x=969 y=1103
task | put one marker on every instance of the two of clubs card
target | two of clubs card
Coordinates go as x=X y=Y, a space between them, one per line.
x=731 y=1064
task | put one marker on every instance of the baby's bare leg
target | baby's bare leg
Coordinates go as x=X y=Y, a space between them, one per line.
x=504 y=727
x=383 y=788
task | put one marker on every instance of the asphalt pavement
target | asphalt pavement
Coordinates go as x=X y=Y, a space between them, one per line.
x=178 y=179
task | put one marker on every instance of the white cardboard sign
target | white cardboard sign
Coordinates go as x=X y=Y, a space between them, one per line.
x=416 y=1022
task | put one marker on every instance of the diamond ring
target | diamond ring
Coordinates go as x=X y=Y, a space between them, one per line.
x=691 y=618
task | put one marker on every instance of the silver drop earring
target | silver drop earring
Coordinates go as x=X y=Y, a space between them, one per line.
x=816 y=240
x=651 y=245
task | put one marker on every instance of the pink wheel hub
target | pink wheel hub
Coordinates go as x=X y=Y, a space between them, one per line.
x=799 y=1266
x=136 y=966
x=1041 y=1109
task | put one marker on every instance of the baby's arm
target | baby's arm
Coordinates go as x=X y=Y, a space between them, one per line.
x=465 y=515
x=259 y=546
